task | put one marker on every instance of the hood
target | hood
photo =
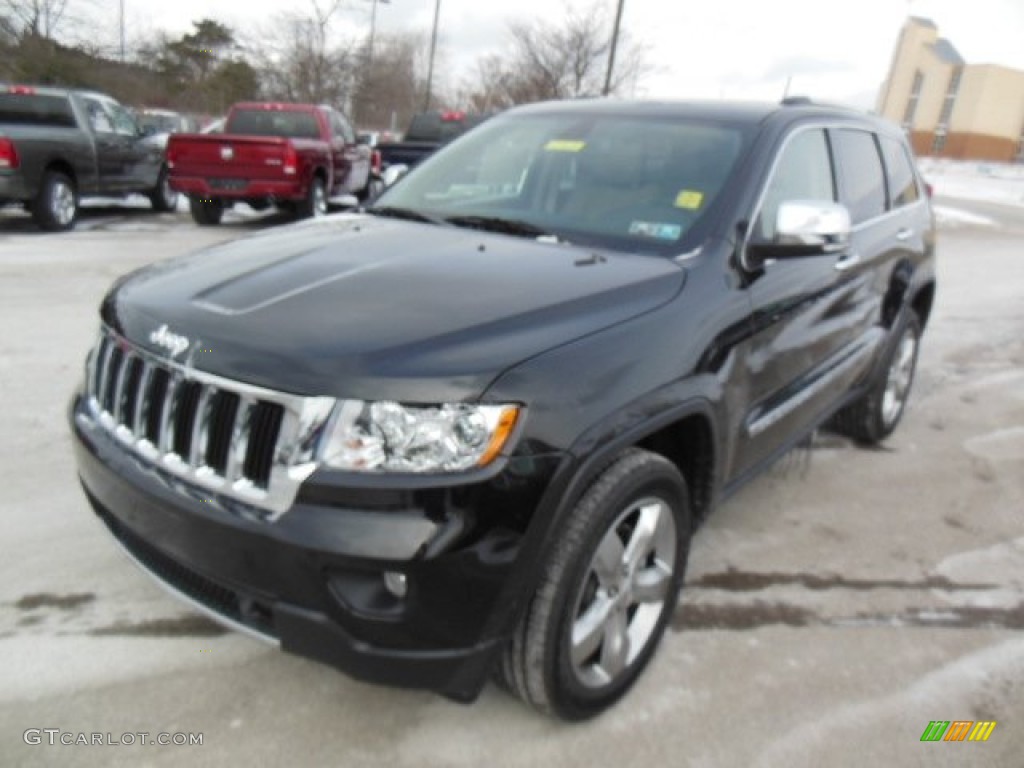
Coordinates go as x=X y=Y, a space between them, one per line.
x=364 y=307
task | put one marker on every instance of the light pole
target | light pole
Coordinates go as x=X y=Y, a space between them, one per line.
x=373 y=26
x=433 y=49
x=611 y=53
x=121 y=25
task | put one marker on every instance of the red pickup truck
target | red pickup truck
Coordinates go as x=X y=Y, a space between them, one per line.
x=296 y=156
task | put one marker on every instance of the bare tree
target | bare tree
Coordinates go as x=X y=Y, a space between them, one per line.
x=42 y=18
x=300 y=60
x=390 y=85
x=553 y=62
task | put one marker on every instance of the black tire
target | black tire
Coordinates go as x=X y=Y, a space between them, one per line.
x=315 y=202
x=162 y=197
x=374 y=188
x=551 y=661
x=55 y=208
x=206 y=212
x=878 y=412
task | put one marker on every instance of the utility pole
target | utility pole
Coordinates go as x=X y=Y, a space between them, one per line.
x=433 y=50
x=121 y=26
x=611 y=53
x=373 y=27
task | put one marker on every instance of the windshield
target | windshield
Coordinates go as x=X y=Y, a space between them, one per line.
x=636 y=183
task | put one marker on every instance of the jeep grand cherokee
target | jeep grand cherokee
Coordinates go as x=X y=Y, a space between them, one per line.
x=470 y=430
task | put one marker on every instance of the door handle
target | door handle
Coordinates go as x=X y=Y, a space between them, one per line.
x=847 y=260
x=904 y=234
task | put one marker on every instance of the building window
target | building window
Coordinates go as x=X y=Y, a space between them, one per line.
x=951 y=92
x=915 y=96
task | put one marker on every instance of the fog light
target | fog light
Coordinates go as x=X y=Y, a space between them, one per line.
x=396 y=583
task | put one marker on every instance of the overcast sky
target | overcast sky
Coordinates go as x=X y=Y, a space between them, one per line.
x=836 y=50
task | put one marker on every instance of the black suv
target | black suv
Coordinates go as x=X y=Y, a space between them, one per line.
x=470 y=430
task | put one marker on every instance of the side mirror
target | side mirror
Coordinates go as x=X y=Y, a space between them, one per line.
x=146 y=130
x=393 y=173
x=805 y=228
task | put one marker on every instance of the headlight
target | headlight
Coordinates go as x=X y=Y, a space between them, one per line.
x=390 y=437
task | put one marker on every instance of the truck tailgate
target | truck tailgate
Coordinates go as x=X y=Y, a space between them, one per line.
x=230 y=161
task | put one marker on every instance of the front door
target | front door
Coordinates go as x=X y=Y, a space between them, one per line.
x=809 y=315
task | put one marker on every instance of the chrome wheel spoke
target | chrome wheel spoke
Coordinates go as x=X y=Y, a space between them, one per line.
x=651 y=584
x=615 y=645
x=639 y=545
x=589 y=629
x=608 y=559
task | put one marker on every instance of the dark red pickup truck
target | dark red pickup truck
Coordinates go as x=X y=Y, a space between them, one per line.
x=296 y=156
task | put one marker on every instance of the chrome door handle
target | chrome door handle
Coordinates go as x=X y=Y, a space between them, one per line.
x=904 y=234
x=847 y=260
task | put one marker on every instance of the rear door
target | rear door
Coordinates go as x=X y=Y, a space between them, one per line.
x=811 y=316
x=113 y=155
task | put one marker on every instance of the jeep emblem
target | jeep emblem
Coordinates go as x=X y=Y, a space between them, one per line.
x=172 y=342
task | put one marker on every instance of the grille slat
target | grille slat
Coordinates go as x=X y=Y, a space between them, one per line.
x=200 y=427
x=259 y=456
x=220 y=430
x=127 y=398
x=111 y=374
x=156 y=399
x=140 y=409
x=186 y=411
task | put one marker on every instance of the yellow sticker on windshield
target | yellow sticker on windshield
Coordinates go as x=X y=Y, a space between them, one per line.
x=689 y=199
x=564 y=145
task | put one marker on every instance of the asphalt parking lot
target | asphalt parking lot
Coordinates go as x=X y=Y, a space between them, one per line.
x=832 y=609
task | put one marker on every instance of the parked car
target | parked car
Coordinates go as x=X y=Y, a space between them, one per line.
x=157 y=121
x=428 y=131
x=58 y=146
x=471 y=430
x=297 y=156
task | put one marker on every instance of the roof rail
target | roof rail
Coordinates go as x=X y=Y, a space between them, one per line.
x=796 y=101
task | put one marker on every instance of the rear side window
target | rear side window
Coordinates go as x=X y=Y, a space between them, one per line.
x=272 y=122
x=35 y=109
x=902 y=183
x=863 y=182
x=803 y=172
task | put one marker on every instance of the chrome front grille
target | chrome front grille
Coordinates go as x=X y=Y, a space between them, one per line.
x=250 y=443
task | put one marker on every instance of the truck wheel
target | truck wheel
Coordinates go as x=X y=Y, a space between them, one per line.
x=315 y=202
x=874 y=416
x=206 y=212
x=374 y=188
x=56 y=206
x=606 y=593
x=162 y=197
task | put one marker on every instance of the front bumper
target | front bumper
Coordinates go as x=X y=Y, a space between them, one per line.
x=312 y=581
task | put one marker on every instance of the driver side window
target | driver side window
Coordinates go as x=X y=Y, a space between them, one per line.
x=99 y=119
x=803 y=172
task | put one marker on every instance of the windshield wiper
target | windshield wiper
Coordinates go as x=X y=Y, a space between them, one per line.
x=516 y=227
x=408 y=214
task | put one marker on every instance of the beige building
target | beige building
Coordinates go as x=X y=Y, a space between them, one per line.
x=951 y=108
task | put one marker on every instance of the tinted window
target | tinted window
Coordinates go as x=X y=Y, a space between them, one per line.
x=31 y=109
x=902 y=184
x=803 y=172
x=268 y=122
x=863 y=188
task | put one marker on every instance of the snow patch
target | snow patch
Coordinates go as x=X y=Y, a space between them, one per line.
x=955 y=217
